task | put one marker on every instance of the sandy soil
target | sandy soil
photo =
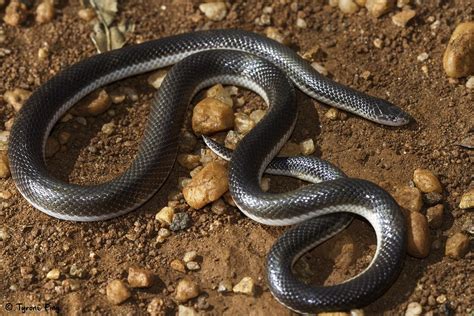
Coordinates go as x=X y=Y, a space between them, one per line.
x=231 y=246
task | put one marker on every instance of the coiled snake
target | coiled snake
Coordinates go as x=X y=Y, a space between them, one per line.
x=259 y=64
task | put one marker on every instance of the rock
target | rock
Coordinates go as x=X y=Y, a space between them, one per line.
x=333 y=3
x=426 y=181
x=243 y=123
x=378 y=43
x=139 y=277
x=117 y=292
x=15 y=13
x=9 y=123
x=403 y=17
x=75 y=271
x=43 y=53
x=189 y=161
x=189 y=256
x=432 y=198
x=224 y=286
x=467 y=199
x=274 y=34
x=53 y=274
x=71 y=284
x=333 y=114
x=93 y=104
x=180 y=221
x=87 y=14
x=108 y=128
x=379 y=7
x=163 y=233
x=220 y=93
x=231 y=140
x=218 y=207
x=348 y=6
x=290 y=149
x=245 y=286
x=333 y=314
x=257 y=115
x=435 y=216
x=457 y=245
x=186 y=290
x=301 y=23
x=307 y=147
x=52 y=147
x=265 y=184
x=156 y=79
x=361 y=3
x=16 y=97
x=211 y=115
x=413 y=309
x=418 y=235
x=458 y=59
x=165 y=215
x=207 y=186
x=45 y=11
x=4 y=166
x=409 y=198
x=422 y=57
x=4 y=135
x=186 y=311
x=215 y=11
x=5 y=195
x=192 y=266
x=156 y=307
x=320 y=68
x=178 y=265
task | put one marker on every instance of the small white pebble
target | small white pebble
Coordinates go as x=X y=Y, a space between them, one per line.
x=413 y=309
x=189 y=256
x=470 y=83
x=422 y=57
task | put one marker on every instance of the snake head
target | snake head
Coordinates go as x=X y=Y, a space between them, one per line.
x=392 y=115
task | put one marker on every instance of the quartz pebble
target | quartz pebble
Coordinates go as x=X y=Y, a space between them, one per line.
x=434 y=215
x=470 y=82
x=93 y=104
x=378 y=8
x=156 y=79
x=186 y=311
x=212 y=115
x=117 y=292
x=53 y=274
x=108 y=128
x=409 y=198
x=413 y=309
x=87 y=14
x=348 y=6
x=257 y=115
x=403 y=17
x=467 y=199
x=15 y=13
x=207 y=185
x=190 y=256
x=333 y=114
x=156 y=307
x=165 y=215
x=186 y=290
x=193 y=266
x=189 y=161
x=245 y=286
x=457 y=245
x=458 y=59
x=273 y=33
x=301 y=23
x=243 y=123
x=426 y=181
x=139 y=277
x=215 y=11
x=307 y=147
x=178 y=265
x=45 y=11
x=16 y=97
x=218 y=207
x=422 y=57
x=418 y=235
x=224 y=286
x=222 y=94
x=4 y=167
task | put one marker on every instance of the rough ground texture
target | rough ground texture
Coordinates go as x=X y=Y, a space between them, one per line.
x=231 y=246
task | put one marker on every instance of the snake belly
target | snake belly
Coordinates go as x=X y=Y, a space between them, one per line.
x=157 y=151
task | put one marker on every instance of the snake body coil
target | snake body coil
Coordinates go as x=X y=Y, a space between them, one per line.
x=267 y=76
